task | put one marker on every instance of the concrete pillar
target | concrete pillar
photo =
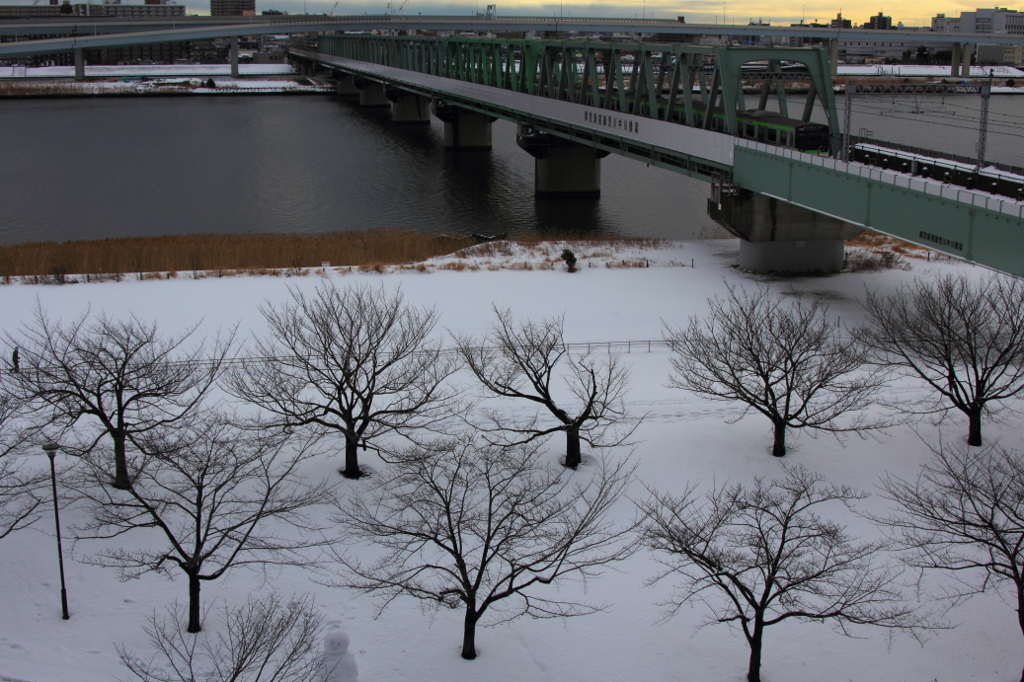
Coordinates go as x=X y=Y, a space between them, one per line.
x=954 y=61
x=371 y=94
x=79 y=64
x=234 y=56
x=825 y=255
x=780 y=237
x=347 y=84
x=965 y=65
x=562 y=167
x=833 y=56
x=407 y=107
x=463 y=129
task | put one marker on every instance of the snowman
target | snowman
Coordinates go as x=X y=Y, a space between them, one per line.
x=336 y=663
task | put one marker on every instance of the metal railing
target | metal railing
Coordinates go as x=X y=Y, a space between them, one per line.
x=930 y=187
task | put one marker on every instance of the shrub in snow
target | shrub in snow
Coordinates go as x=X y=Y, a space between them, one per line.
x=570 y=260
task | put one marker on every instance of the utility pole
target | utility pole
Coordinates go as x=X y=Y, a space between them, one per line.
x=851 y=88
x=986 y=94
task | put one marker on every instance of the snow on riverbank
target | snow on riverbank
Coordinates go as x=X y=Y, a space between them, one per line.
x=683 y=438
x=148 y=70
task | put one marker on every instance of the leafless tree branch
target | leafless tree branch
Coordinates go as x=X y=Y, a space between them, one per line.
x=529 y=361
x=479 y=526
x=266 y=640
x=358 y=361
x=785 y=360
x=964 y=339
x=761 y=555
x=219 y=496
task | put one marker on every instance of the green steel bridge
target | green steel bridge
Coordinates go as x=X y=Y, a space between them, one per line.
x=642 y=101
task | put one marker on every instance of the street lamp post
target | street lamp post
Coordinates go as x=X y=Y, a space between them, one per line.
x=51 y=451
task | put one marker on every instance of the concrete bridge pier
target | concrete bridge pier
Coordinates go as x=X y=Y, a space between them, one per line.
x=79 y=64
x=234 y=56
x=961 y=60
x=562 y=167
x=408 y=107
x=463 y=129
x=346 y=84
x=371 y=94
x=780 y=237
x=833 y=56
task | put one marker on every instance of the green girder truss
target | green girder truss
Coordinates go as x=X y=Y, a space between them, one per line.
x=661 y=81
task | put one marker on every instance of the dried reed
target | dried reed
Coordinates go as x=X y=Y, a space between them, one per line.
x=225 y=252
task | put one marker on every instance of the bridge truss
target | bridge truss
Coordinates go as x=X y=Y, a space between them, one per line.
x=667 y=82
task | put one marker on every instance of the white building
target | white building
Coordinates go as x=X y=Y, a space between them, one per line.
x=996 y=20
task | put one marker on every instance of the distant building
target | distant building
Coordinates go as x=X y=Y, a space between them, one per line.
x=944 y=24
x=839 y=22
x=120 y=11
x=29 y=11
x=1008 y=55
x=224 y=8
x=996 y=20
x=879 y=22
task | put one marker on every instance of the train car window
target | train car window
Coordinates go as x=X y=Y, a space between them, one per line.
x=771 y=135
x=811 y=138
x=750 y=130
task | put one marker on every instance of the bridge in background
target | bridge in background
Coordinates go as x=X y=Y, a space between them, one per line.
x=577 y=101
x=99 y=32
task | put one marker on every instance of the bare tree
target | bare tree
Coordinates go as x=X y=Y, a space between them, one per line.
x=19 y=502
x=527 y=361
x=478 y=527
x=787 y=361
x=763 y=555
x=266 y=640
x=964 y=515
x=964 y=339
x=120 y=377
x=356 y=360
x=220 y=495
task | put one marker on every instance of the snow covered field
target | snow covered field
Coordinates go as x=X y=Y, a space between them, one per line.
x=683 y=439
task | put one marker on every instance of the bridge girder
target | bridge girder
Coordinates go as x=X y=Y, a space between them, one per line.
x=646 y=79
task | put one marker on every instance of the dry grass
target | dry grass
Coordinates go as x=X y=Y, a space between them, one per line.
x=34 y=89
x=879 y=252
x=225 y=255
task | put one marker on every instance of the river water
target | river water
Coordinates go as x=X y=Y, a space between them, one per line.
x=113 y=167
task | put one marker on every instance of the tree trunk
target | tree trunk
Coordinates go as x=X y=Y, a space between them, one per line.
x=572 y=448
x=1020 y=614
x=194 y=620
x=754 y=670
x=469 y=634
x=121 y=479
x=974 y=437
x=351 y=469
x=779 y=446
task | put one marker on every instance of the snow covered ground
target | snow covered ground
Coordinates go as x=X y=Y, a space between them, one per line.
x=617 y=295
